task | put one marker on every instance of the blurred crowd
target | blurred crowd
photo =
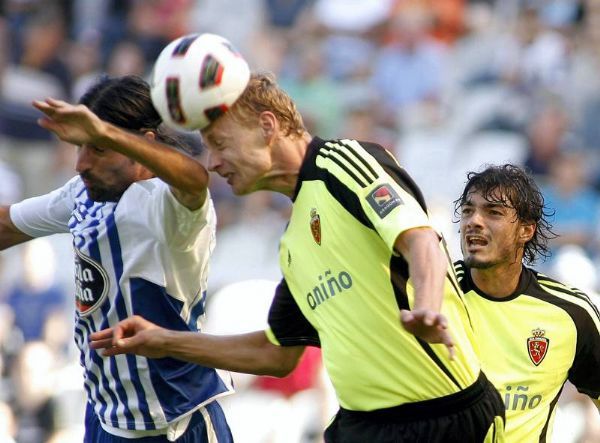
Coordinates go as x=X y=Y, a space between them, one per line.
x=447 y=85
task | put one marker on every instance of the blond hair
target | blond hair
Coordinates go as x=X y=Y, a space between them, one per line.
x=263 y=94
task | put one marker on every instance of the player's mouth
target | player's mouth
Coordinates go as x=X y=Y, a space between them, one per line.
x=87 y=182
x=475 y=242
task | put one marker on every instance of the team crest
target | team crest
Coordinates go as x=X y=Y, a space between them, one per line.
x=537 y=346
x=315 y=225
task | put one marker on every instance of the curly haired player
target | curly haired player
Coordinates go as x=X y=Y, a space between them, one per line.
x=534 y=332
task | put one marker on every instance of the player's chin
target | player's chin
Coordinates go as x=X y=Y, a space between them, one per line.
x=99 y=193
x=475 y=262
x=240 y=189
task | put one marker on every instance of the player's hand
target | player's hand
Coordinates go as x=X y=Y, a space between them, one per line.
x=134 y=335
x=428 y=325
x=74 y=124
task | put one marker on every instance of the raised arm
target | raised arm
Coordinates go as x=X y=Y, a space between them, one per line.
x=250 y=353
x=76 y=124
x=9 y=234
x=427 y=266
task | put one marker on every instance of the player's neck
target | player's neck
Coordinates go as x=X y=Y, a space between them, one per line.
x=498 y=281
x=287 y=157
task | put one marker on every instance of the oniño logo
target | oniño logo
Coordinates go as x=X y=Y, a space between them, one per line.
x=91 y=284
x=537 y=346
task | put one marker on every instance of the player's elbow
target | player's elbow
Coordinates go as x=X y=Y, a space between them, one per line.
x=285 y=361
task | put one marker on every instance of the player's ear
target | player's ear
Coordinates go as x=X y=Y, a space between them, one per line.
x=268 y=124
x=526 y=232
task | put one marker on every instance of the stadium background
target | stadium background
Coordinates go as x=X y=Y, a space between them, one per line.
x=446 y=84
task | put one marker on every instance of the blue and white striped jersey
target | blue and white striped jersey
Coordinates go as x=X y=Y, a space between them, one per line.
x=145 y=254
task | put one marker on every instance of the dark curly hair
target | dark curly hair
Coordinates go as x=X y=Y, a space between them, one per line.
x=512 y=186
x=125 y=102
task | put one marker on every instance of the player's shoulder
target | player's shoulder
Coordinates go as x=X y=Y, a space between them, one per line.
x=553 y=285
x=353 y=161
x=145 y=190
x=566 y=295
x=149 y=186
x=352 y=149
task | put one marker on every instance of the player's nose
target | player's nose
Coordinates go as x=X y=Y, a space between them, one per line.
x=214 y=161
x=475 y=219
x=84 y=160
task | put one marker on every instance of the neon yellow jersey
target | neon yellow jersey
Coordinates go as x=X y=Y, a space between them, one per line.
x=530 y=344
x=344 y=286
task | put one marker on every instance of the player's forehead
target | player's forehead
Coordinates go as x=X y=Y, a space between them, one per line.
x=487 y=198
x=221 y=129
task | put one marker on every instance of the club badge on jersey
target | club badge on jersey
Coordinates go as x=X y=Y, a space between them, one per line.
x=315 y=225
x=537 y=346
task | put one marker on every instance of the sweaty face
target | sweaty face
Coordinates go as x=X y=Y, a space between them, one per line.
x=106 y=174
x=489 y=233
x=239 y=154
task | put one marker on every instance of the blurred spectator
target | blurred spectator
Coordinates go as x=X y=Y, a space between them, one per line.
x=223 y=17
x=447 y=17
x=44 y=37
x=126 y=58
x=568 y=192
x=546 y=134
x=285 y=14
x=84 y=61
x=33 y=376
x=317 y=95
x=408 y=71
x=36 y=295
x=152 y=24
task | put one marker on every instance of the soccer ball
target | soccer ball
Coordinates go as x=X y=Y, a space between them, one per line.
x=196 y=78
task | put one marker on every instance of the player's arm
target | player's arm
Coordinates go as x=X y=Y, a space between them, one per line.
x=597 y=403
x=427 y=266
x=76 y=124
x=10 y=235
x=250 y=353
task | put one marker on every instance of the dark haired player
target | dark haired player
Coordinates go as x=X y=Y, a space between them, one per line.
x=143 y=229
x=534 y=333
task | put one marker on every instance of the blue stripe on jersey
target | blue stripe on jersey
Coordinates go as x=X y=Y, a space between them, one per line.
x=89 y=376
x=97 y=359
x=94 y=252
x=180 y=386
x=119 y=302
